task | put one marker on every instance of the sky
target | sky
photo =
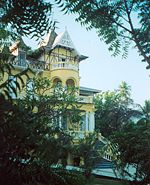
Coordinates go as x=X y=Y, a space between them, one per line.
x=101 y=70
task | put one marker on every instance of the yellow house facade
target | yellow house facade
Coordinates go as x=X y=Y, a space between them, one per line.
x=58 y=60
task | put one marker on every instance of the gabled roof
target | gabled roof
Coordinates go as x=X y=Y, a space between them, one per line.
x=53 y=40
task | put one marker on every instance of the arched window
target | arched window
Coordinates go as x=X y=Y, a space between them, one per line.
x=57 y=81
x=70 y=83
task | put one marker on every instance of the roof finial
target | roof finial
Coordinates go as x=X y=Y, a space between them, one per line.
x=65 y=28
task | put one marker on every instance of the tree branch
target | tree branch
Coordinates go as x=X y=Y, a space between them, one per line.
x=131 y=6
x=136 y=40
x=110 y=18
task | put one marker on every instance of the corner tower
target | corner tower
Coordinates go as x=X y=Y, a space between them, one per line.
x=61 y=58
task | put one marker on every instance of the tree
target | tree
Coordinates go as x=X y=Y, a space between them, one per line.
x=118 y=23
x=31 y=140
x=17 y=19
x=25 y=17
x=144 y=111
x=133 y=148
x=30 y=145
x=113 y=110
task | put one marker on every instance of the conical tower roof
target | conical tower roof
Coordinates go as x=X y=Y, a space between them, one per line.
x=53 y=40
x=64 y=39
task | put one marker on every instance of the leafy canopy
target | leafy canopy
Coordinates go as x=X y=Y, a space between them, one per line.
x=113 y=109
x=31 y=139
x=118 y=22
x=133 y=148
x=26 y=17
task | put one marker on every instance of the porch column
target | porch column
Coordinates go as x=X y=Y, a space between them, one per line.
x=86 y=121
x=91 y=122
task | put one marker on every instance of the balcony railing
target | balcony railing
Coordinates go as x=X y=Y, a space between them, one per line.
x=107 y=157
x=64 y=65
x=38 y=65
x=85 y=99
x=82 y=134
x=19 y=63
x=34 y=65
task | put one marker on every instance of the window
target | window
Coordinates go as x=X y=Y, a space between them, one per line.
x=12 y=86
x=56 y=121
x=22 y=58
x=56 y=82
x=30 y=87
x=70 y=83
x=64 y=122
x=60 y=121
x=62 y=59
x=83 y=122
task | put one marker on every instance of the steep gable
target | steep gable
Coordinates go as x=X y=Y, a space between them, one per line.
x=64 y=40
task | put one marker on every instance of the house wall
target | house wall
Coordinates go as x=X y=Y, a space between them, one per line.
x=63 y=64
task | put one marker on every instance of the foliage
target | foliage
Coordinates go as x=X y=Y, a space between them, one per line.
x=6 y=85
x=128 y=128
x=118 y=23
x=113 y=110
x=25 y=17
x=132 y=145
x=31 y=139
x=35 y=54
x=104 y=181
x=144 y=111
